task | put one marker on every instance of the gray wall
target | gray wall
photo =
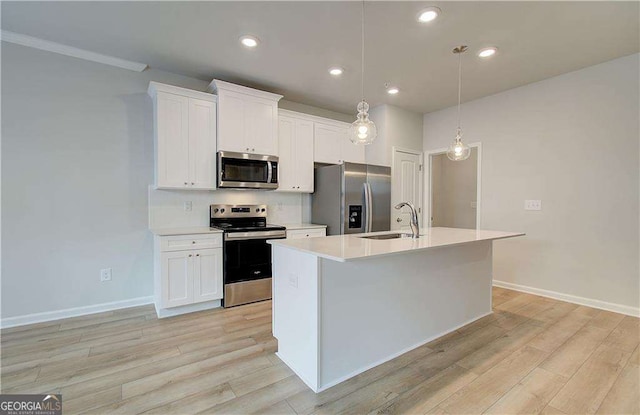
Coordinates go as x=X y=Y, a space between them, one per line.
x=571 y=141
x=396 y=127
x=77 y=160
x=454 y=188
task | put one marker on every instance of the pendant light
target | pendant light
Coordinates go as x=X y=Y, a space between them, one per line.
x=458 y=150
x=363 y=130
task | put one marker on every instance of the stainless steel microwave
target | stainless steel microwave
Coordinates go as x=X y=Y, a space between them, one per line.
x=247 y=171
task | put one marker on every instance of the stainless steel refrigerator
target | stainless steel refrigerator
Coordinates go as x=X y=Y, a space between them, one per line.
x=352 y=198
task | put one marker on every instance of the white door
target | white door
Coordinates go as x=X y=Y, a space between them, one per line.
x=286 y=161
x=327 y=143
x=172 y=123
x=177 y=278
x=207 y=280
x=202 y=144
x=304 y=156
x=231 y=122
x=261 y=117
x=351 y=152
x=405 y=187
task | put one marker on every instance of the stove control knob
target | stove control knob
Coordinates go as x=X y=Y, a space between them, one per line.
x=222 y=210
x=264 y=210
x=215 y=210
x=257 y=210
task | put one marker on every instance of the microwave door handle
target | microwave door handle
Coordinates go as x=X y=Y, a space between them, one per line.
x=269 y=172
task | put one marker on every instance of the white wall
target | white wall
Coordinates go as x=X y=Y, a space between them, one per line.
x=396 y=127
x=571 y=141
x=77 y=161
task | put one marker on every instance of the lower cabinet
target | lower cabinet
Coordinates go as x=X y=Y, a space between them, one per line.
x=306 y=233
x=191 y=276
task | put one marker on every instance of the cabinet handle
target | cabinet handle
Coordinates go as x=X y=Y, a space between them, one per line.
x=247 y=148
x=190 y=255
x=185 y=183
x=193 y=242
x=253 y=149
x=197 y=254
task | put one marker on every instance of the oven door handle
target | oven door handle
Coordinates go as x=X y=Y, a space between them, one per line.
x=239 y=236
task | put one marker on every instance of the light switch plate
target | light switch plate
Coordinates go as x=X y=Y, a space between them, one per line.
x=188 y=206
x=105 y=274
x=533 y=205
x=293 y=280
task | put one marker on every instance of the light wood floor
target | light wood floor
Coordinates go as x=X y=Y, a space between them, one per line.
x=533 y=355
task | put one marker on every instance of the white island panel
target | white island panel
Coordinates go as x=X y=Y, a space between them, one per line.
x=377 y=309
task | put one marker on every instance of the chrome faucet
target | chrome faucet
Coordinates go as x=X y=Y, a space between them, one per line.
x=415 y=228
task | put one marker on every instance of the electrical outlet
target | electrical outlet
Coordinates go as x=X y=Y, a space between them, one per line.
x=188 y=206
x=474 y=205
x=533 y=205
x=105 y=274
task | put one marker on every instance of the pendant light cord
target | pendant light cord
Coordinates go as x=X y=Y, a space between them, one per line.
x=459 y=85
x=362 y=58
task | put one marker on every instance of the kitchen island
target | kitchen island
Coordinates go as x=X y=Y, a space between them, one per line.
x=344 y=304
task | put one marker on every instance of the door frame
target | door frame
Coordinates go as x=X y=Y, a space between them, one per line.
x=428 y=185
x=420 y=154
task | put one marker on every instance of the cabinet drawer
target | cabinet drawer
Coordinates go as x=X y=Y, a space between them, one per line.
x=306 y=233
x=184 y=242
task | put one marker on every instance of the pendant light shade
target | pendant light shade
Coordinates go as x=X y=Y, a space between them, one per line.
x=458 y=150
x=363 y=130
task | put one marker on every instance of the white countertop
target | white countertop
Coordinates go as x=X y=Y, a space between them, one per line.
x=348 y=247
x=193 y=230
x=295 y=226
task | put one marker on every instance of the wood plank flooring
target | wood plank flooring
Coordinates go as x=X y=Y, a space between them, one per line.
x=532 y=356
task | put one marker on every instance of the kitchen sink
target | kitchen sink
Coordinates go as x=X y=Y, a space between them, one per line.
x=389 y=236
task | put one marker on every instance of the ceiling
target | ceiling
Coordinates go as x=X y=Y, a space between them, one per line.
x=301 y=40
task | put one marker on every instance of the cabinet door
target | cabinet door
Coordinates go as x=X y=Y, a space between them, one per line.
x=202 y=144
x=327 y=143
x=176 y=278
x=231 y=122
x=304 y=156
x=351 y=152
x=207 y=281
x=261 y=128
x=286 y=148
x=172 y=123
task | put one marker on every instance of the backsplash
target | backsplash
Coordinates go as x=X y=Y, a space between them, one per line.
x=166 y=207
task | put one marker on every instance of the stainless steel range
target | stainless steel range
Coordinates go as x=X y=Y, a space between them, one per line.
x=247 y=256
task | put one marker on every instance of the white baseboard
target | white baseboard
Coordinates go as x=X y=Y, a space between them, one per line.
x=176 y=311
x=72 y=312
x=589 y=302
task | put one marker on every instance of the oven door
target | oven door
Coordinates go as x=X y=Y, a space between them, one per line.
x=247 y=267
x=239 y=170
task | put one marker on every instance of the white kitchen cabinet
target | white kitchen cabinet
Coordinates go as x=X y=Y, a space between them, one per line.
x=306 y=233
x=332 y=145
x=295 y=167
x=186 y=272
x=185 y=138
x=247 y=119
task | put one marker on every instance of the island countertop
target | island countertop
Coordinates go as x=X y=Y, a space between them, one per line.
x=343 y=248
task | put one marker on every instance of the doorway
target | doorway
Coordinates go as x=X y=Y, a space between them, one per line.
x=406 y=186
x=453 y=190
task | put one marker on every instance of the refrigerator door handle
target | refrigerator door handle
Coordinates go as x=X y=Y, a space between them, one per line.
x=368 y=206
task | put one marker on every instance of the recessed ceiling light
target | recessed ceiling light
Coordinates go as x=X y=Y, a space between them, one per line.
x=335 y=71
x=487 y=52
x=429 y=14
x=249 y=41
x=392 y=90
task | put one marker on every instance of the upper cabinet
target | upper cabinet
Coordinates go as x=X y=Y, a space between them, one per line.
x=332 y=144
x=295 y=169
x=247 y=119
x=185 y=137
